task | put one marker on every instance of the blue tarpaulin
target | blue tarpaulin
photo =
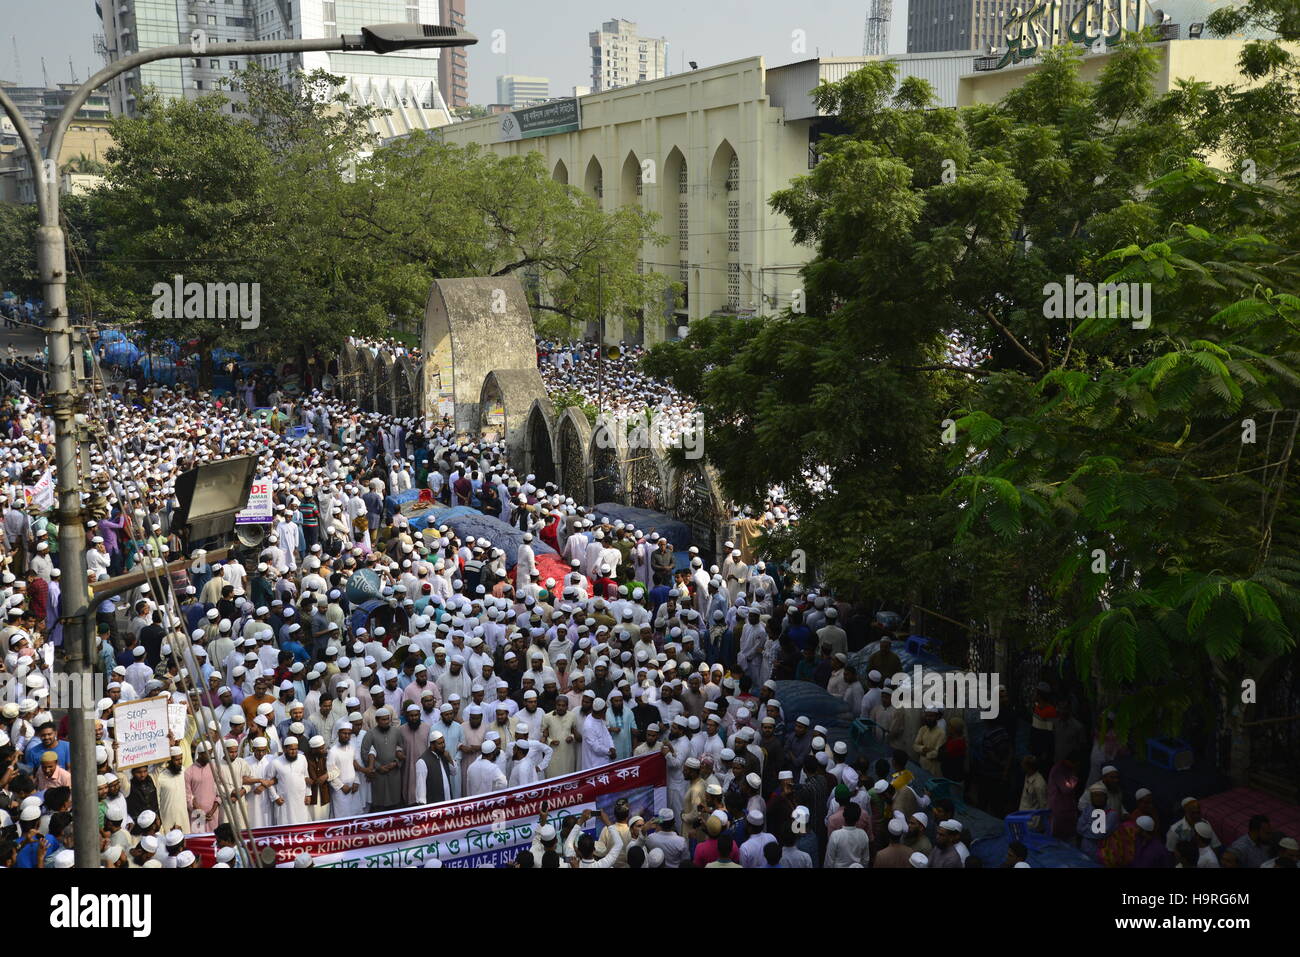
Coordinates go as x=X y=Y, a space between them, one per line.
x=466 y=521
x=677 y=532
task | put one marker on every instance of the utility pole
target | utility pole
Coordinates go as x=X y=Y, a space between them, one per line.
x=63 y=400
x=600 y=343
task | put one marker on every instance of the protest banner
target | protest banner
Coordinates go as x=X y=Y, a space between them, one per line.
x=140 y=730
x=258 y=509
x=490 y=829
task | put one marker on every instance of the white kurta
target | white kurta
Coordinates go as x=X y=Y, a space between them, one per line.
x=596 y=742
x=342 y=771
x=261 y=807
x=530 y=768
x=484 y=777
x=291 y=784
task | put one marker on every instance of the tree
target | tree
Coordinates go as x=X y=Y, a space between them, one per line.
x=444 y=211
x=937 y=236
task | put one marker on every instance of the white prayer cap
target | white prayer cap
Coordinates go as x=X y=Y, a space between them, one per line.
x=1146 y=823
x=302 y=859
x=897 y=827
x=225 y=855
x=546 y=833
x=952 y=824
x=316 y=741
x=146 y=818
x=919 y=860
x=291 y=740
x=489 y=746
x=1020 y=864
x=1141 y=793
x=1109 y=769
x=436 y=735
x=185 y=859
x=1204 y=830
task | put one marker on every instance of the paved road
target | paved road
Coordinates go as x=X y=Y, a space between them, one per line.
x=25 y=340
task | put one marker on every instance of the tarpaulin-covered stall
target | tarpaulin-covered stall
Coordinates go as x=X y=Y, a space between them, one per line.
x=677 y=532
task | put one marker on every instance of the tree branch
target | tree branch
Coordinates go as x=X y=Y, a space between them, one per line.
x=988 y=314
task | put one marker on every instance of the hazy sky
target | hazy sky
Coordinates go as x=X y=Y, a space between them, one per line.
x=542 y=37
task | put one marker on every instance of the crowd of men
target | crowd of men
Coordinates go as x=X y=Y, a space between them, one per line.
x=477 y=671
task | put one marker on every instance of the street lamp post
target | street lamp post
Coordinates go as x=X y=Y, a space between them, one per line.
x=63 y=396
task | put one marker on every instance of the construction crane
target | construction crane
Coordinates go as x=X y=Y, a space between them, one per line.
x=876 y=40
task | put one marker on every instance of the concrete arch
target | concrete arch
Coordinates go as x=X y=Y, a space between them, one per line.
x=593 y=181
x=367 y=365
x=538 y=446
x=572 y=453
x=697 y=500
x=406 y=382
x=723 y=282
x=383 y=382
x=648 y=469
x=349 y=372
x=472 y=327
x=505 y=403
x=630 y=186
x=561 y=172
x=608 y=472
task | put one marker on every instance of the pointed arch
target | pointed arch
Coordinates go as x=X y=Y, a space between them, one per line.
x=607 y=469
x=539 y=456
x=572 y=442
x=383 y=382
x=724 y=229
x=593 y=181
x=405 y=388
x=630 y=184
x=349 y=371
x=561 y=172
x=366 y=380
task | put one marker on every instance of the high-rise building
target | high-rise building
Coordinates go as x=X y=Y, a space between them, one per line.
x=937 y=26
x=522 y=90
x=405 y=82
x=453 y=65
x=621 y=57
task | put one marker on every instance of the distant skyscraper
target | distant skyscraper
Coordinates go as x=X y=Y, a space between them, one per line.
x=522 y=90
x=937 y=26
x=621 y=57
x=453 y=66
x=404 y=82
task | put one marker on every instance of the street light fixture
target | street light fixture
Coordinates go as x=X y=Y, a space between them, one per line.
x=63 y=394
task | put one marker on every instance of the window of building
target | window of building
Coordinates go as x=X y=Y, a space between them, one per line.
x=733 y=226
x=733 y=287
x=214 y=64
x=733 y=174
x=212 y=20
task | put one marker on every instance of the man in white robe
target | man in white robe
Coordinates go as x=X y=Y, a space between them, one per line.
x=260 y=799
x=345 y=783
x=289 y=772
x=597 y=743
x=483 y=776
x=530 y=761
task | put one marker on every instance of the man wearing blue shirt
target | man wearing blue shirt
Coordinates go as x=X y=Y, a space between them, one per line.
x=47 y=739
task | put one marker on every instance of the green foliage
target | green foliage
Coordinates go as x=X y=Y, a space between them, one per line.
x=572 y=397
x=1097 y=464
